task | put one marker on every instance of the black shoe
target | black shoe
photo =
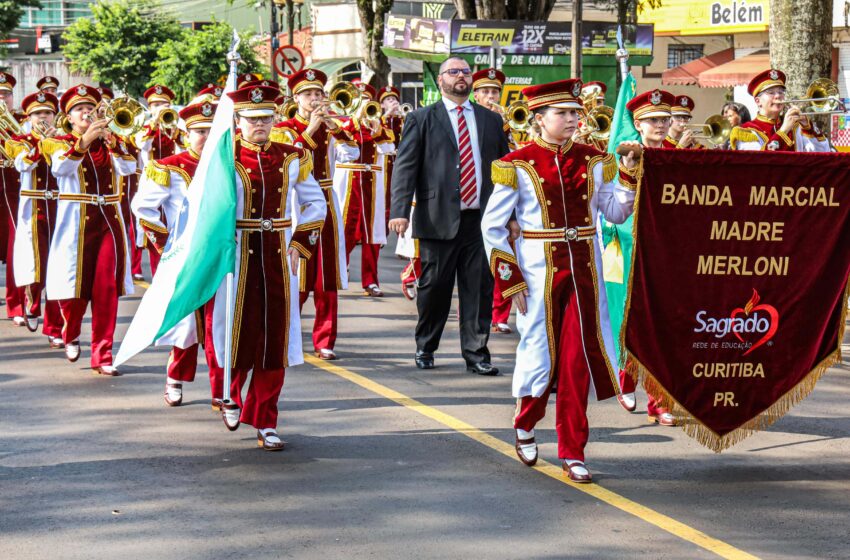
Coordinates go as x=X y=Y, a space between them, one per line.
x=424 y=360
x=482 y=368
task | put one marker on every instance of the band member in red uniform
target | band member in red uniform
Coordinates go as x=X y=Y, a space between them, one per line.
x=317 y=132
x=272 y=181
x=36 y=214
x=9 y=183
x=392 y=119
x=89 y=260
x=680 y=135
x=157 y=140
x=162 y=191
x=556 y=189
x=358 y=185
x=651 y=111
x=771 y=129
x=48 y=84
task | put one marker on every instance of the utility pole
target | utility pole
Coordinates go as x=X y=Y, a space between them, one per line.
x=575 y=54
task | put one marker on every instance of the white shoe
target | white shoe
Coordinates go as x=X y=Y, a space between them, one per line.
x=526 y=447
x=32 y=322
x=627 y=400
x=72 y=351
x=19 y=321
x=231 y=414
x=173 y=392
x=110 y=371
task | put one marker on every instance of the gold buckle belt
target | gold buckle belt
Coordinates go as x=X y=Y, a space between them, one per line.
x=95 y=199
x=267 y=224
x=583 y=233
x=359 y=166
x=43 y=195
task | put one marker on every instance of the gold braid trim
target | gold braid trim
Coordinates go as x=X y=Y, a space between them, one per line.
x=497 y=254
x=158 y=174
x=305 y=166
x=504 y=173
x=153 y=227
x=609 y=168
x=280 y=135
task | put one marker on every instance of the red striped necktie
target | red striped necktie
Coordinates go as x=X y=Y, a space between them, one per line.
x=468 y=188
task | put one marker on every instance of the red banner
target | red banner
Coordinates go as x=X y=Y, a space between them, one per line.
x=738 y=287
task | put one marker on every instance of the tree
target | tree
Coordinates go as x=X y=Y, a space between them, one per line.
x=529 y=10
x=186 y=63
x=11 y=12
x=119 y=44
x=801 y=41
x=372 y=14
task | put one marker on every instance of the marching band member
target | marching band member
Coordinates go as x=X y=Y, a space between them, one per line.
x=651 y=112
x=487 y=90
x=267 y=326
x=9 y=182
x=47 y=84
x=155 y=141
x=555 y=188
x=246 y=78
x=392 y=119
x=36 y=214
x=679 y=135
x=599 y=99
x=326 y=273
x=358 y=184
x=162 y=191
x=772 y=131
x=88 y=260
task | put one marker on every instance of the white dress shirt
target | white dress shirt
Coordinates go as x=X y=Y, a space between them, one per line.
x=469 y=115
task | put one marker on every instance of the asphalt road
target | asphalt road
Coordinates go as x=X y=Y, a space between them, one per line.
x=94 y=467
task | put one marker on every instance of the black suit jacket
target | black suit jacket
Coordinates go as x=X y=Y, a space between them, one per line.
x=428 y=164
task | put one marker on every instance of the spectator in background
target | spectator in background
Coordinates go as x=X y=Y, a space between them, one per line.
x=736 y=113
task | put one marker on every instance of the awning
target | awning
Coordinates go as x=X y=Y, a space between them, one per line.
x=738 y=72
x=331 y=66
x=688 y=74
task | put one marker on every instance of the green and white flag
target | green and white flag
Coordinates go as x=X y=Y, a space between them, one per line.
x=201 y=248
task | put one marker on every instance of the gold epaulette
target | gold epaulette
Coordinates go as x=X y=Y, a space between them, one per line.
x=609 y=168
x=158 y=174
x=504 y=173
x=305 y=166
x=15 y=147
x=279 y=135
x=740 y=134
x=50 y=146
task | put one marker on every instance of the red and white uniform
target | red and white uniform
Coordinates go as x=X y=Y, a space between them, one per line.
x=272 y=179
x=359 y=185
x=327 y=271
x=36 y=220
x=89 y=255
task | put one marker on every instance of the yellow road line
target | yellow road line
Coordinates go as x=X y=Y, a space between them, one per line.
x=141 y=283
x=649 y=515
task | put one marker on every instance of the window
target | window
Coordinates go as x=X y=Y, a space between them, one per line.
x=682 y=54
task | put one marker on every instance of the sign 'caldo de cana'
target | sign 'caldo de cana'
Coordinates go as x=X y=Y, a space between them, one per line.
x=708 y=17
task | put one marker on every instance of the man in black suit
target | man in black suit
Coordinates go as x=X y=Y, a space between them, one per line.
x=444 y=159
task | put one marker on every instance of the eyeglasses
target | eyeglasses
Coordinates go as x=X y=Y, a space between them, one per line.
x=455 y=71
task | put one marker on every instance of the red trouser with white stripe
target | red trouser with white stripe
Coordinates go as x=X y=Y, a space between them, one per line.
x=572 y=375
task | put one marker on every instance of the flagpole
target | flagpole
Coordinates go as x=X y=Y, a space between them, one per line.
x=227 y=404
x=622 y=55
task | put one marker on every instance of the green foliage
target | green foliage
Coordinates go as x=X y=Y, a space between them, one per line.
x=198 y=57
x=11 y=12
x=119 y=44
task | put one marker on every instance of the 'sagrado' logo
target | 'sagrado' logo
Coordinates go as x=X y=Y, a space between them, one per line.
x=754 y=324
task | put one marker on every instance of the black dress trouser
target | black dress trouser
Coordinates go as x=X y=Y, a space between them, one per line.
x=443 y=260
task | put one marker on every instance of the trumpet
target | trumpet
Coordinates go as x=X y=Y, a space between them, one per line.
x=345 y=99
x=369 y=111
x=715 y=130
x=167 y=119
x=126 y=116
x=406 y=108
x=518 y=116
x=42 y=127
x=598 y=123
x=822 y=98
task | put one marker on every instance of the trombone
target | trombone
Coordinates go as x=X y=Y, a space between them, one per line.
x=715 y=130
x=822 y=98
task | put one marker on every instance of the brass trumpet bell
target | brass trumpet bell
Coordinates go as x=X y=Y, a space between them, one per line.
x=167 y=118
x=371 y=110
x=518 y=116
x=406 y=108
x=822 y=98
x=9 y=125
x=345 y=99
x=288 y=110
x=715 y=130
x=128 y=116
x=63 y=123
x=599 y=119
